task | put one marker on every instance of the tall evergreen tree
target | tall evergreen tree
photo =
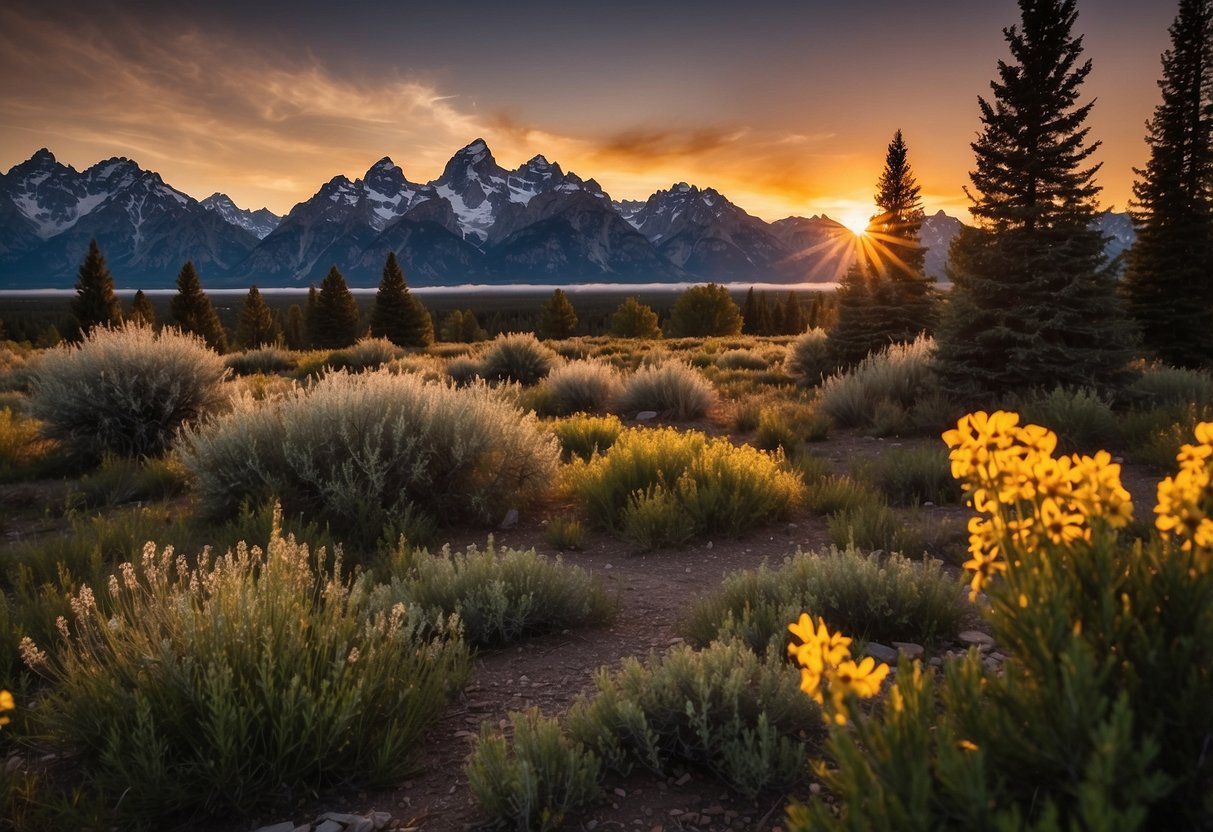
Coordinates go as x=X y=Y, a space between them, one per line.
x=1169 y=275
x=856 y=331
x=557 y=318
x=142 y=310
x=335 y=320
x=704 y=311
x=396 y=315
x=906 y=298
x=793 y=316
x=1033 y=302
x=95 y=303
x=752 y=320
x=257 y=327
x=192 y=310
x=294 y=329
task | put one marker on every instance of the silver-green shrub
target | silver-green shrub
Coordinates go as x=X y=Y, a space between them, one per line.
x=517 y=357
x=125 y=391
x=367 y=354
x=671 y=388
x=500 y=596
x=742 y=359
x=891 y=380
x=264 y=360
x=581 y=387
x=217 y=686
x=808 y=358
x=365 y=451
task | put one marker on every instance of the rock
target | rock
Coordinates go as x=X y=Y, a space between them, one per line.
x=971 y=638
x=352 y=823
x=330 y=826
x=683 y=780
x=708 y=545
x=285 y=826
x=380 y=819
x=510 y=520
x=881 y=652
x=646 y=415
x=909 y=649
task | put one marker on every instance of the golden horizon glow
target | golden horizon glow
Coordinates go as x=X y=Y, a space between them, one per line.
x=857 y=222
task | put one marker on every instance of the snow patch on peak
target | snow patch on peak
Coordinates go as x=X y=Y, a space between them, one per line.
x=681 y=187
x=538 y=162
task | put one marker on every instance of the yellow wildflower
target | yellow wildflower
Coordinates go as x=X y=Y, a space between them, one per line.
x=6 y=704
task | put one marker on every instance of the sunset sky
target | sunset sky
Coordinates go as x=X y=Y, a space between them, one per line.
x=785 y=106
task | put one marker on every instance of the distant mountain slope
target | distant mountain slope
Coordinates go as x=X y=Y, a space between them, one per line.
x=476 y=222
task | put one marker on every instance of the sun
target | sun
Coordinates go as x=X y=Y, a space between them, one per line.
x=856 y=222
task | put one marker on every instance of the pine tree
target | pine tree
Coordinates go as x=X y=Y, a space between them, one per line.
x=557 y=318
x=257 y=327
x=1033 y=302
x=294 y=329
x=855 y=332
x=751 y=323
x=462 y=326
x=142 y=311
x=1169 y=276
x=906 y=298
x=634 y=319
x=396 y=315
x=335 y=319
x=192 y=310
x=793 y=315
x=95 y=303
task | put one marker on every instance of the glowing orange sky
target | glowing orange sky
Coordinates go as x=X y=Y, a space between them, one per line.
x=785 y=108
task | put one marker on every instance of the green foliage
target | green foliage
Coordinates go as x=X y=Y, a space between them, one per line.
x=737 y=714
x=333 y=322
x=671 y=389
x=909 y=476
x=808 y=358
x=517 y=357
x=1033 y=302
x=125 y=391
x=583 y=436
x=789 y=425
x=872 y=525
x=1082 y=419
x=366 y=354
x=120 y=480
x=557 y=318
x=218 y=686
x=1166 y=282
x=581 y=387
x=896 y=379
x=1162 y=386
x=545 y=777
x=142 y=311
x=634 y=319
x=499 y=596
x=868 y=597
x=265 y=360
x=23 y=450
x=192 y=310
x=365 y=451
x=257 y=327
x=463 y=369
x=704 y=311
x=396 y=315
x=833 y=494
x=741 y=360
x=462 y=326
x=657 y=486
x=563 y=532
x=95 y=303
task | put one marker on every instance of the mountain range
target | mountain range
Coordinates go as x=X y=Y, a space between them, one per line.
x=476 y=223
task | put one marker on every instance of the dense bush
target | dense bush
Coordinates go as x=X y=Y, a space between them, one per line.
x=1099 y=718
x=871 y=597
x=737 y=714
x=884 y=386
x=125 y=391
x=366 y=451
x=365 y=354
x=580 y=387
x=872 y=525
x=583 y=436
x=634 y=319
x=517 y=357
x=463 y=369
x=742 y=360
x=909 y=476
x=789 y=425
x=659 y=487
x=1081 y=418
x=499 y=596
x=669 y=388
x=704 y=311
x=532 y=781
x=265 y=360
x=240 y=681
x=808 y=358
x=1165 y=386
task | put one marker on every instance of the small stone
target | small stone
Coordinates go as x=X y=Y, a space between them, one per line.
x=380 y=819
x=285 y=826
x=592 y=825
x=909 y=649
x=646 y=415
x=714 y=809
x=936 y=661
x=674 y=813
x=690 y=817
x=510 y=520
x=992 y=665
x=881 y=652
x=998 y=657
x=683 y=780
x=307 y=827
x=928 y=504
x=673 y=641
x=814 y=788
x=524 y=680
x=975 y=637
x=620 y=793
x=708 y=545
x=330 y=826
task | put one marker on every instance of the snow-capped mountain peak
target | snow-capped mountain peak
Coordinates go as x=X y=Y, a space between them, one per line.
x=259 y=223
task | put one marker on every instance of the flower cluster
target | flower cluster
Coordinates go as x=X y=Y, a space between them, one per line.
x=826 y=657
x=6 y=704
x=1185 y=501
x=1027 y=498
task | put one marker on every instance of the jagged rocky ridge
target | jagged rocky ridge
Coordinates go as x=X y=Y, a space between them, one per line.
x=477 y=222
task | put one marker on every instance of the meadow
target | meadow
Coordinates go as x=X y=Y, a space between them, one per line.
x=548 y=584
